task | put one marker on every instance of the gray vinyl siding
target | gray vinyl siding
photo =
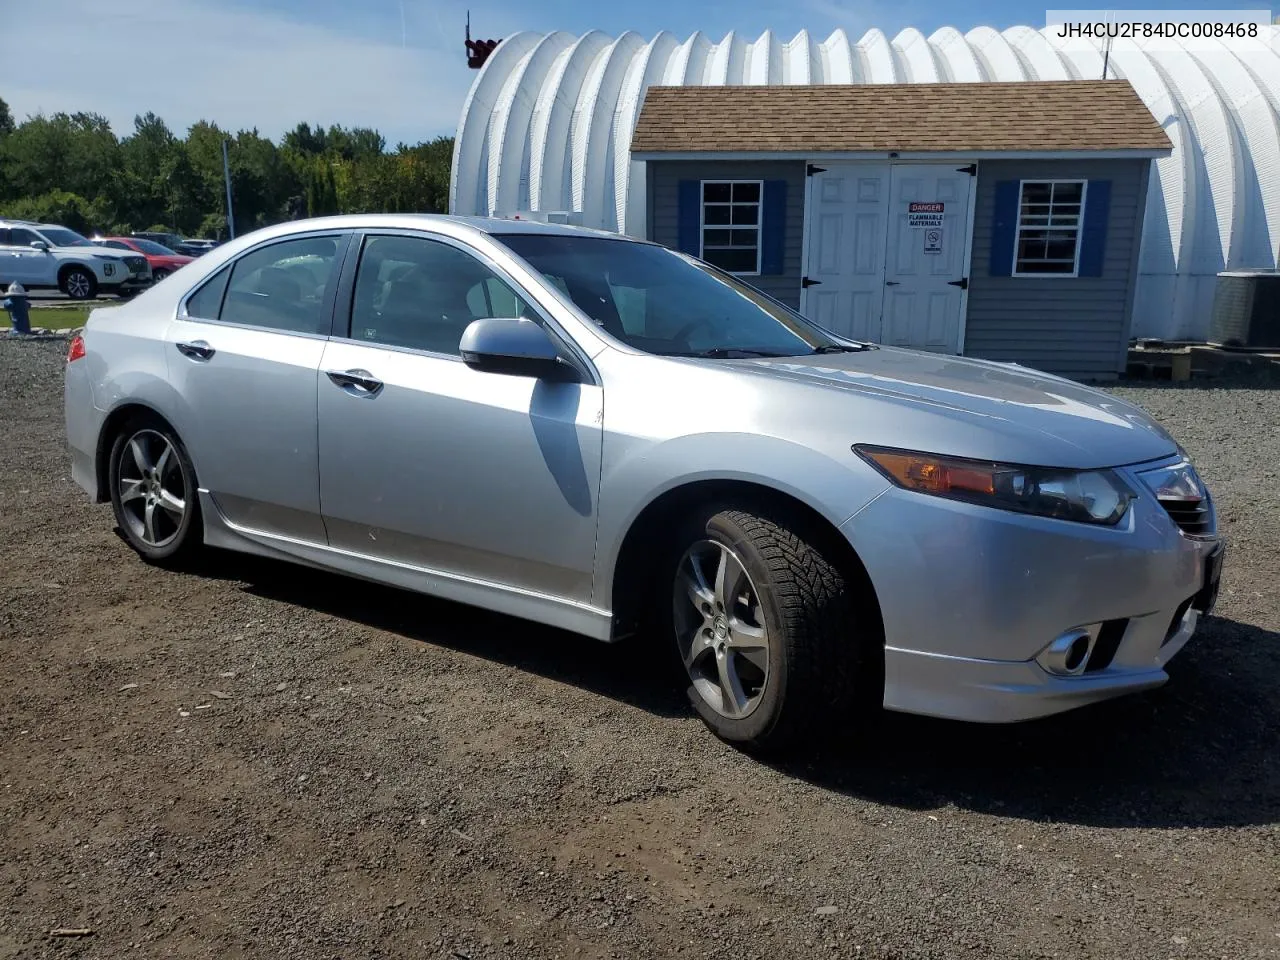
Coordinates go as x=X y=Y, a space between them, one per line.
x=1076 y=327
x=664 y=178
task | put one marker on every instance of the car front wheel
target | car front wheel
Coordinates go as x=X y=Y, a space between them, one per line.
x=79 y=284
x=153 y=492
x=764 y=623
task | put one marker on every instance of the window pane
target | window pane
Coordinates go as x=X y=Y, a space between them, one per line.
x=715 y=192
x=735 y=261
x=282 y=286
x=749 y=192
x=1036 y=193
x=746 y=213
x=1044 y=266
x=1068 y=192
x=433 y=292
x=1061 y=246
x=22 y=238
x=716 y=238
x=208 y=299
x=713 y=214
x=743 y=238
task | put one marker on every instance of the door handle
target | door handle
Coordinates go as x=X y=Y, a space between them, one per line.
x=358 y=383
x=892 y=283
x=196 y=350
x=962 y=283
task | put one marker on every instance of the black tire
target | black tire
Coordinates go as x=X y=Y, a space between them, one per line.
x=173 y=542
x=78 y=284
x=158 y=275
x=818 y=630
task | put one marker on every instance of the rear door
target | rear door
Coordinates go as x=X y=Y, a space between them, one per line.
x=243 y=355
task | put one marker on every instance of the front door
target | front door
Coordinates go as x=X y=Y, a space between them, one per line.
x=428 y=463
x=924 y=270
x=23 y=262
x=886 y=247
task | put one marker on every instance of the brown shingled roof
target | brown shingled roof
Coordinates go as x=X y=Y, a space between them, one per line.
x=1040 y=116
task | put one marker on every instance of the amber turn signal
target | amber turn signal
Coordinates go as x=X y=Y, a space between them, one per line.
x=935 y=475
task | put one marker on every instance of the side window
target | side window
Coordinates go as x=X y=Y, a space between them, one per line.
x=4 y=237
x=207 y=301
x=419 y=293
x=282 y=286
x=22 y=238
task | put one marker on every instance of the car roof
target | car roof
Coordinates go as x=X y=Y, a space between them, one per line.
x=6 y=221
x=485 y=225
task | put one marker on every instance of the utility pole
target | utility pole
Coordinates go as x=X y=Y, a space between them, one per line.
x=226 y=174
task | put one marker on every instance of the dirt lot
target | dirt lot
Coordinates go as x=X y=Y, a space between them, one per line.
x=259 y=761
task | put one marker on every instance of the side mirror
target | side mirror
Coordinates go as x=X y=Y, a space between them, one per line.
x=39 y=245
x=520 y=348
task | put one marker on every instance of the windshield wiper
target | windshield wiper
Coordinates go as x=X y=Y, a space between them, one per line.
x=842 y=348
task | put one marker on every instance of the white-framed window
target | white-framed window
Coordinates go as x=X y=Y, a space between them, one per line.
x=731 y=224
x=1048 y=239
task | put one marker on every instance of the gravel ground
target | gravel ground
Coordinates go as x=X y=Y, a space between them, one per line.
x=263 y=761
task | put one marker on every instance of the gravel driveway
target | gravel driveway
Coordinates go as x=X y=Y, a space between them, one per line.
x=262 y=761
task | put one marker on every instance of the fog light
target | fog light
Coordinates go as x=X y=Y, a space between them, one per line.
x=1068 y=655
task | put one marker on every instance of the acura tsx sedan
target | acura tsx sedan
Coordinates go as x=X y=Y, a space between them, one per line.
x=610 y=437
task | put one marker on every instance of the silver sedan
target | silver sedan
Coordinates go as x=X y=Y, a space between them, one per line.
x=613 y=438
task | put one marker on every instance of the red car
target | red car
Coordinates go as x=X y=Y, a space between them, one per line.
x=163 y=261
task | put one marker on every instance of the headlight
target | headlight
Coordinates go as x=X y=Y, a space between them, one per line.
x=1087 y=496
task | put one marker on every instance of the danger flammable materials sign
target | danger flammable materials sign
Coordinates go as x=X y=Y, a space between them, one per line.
x=922 y=215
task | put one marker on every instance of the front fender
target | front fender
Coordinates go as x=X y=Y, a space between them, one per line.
x=637 y=473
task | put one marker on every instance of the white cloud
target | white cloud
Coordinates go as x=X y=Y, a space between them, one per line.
x=188 y=60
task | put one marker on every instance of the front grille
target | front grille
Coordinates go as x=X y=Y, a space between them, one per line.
x=1192 y=516
x=136 y=264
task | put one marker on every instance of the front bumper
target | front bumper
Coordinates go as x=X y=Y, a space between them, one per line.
x=971 y=597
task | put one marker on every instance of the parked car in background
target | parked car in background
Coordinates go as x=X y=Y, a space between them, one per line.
x=604 y=435
x=164 y=238
x=163 y=261
x=195 y=248
x=44 y=256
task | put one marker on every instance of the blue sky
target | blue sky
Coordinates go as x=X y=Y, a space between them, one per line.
x=398 y=65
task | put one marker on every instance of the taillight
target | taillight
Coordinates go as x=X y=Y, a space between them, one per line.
x=76 y=348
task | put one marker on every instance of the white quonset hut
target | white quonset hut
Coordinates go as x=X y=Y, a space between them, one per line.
x=548 y=123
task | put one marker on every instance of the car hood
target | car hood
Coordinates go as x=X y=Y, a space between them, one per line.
x=1006 y=410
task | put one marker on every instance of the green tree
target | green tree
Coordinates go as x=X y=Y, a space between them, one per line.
x=6 y=119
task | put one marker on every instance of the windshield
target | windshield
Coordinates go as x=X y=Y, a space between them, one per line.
x=660 y=302
x=62 y=237
x=153 y=248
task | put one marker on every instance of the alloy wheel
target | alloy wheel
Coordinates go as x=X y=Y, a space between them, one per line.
x=720 y=629
x=78 y=285
x=152 y=487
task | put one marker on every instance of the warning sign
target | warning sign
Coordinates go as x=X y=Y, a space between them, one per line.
x=933 y=240
x=922 y=216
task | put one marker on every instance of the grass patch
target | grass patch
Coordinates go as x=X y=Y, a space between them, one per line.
x=52 y=318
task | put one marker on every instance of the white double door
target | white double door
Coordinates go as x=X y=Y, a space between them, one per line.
x=886 y=250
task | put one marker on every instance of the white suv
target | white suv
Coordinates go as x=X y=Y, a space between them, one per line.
x=42 y=255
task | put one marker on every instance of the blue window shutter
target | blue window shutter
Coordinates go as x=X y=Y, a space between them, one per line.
x=1004 y=228
x=773 y=226
x=1093 y=233
x=689 y=217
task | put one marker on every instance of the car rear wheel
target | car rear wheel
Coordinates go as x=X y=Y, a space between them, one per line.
x=78 y=284
x=764 y=623
x=158 y=275
x=153 y=491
